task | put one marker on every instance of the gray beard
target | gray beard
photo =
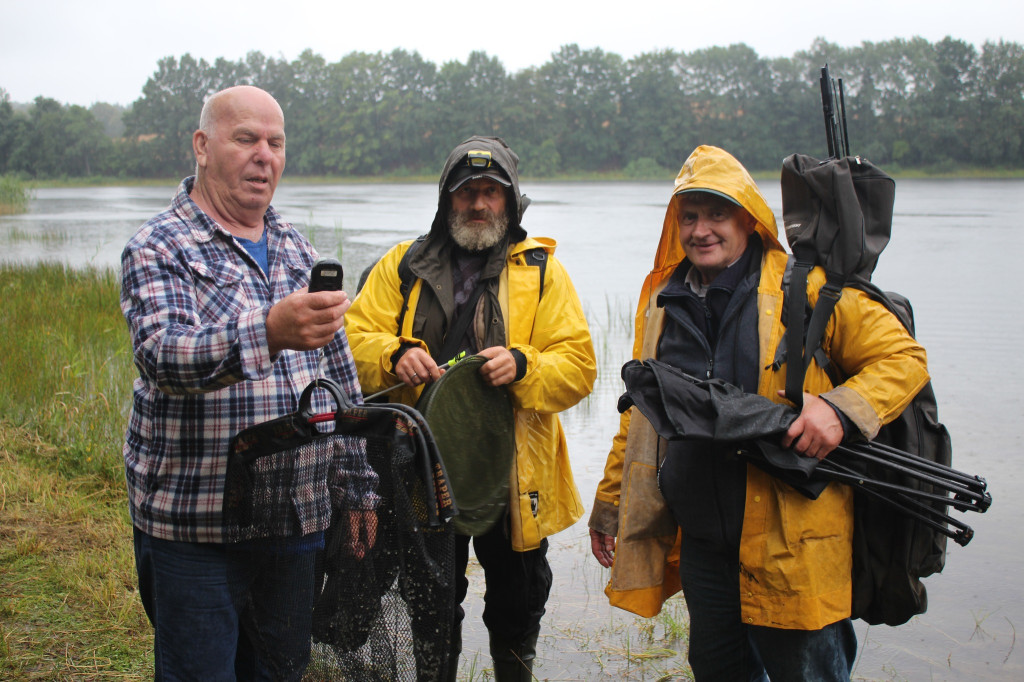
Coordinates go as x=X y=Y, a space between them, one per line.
x=473 y=238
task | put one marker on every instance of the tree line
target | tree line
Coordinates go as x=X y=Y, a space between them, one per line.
x=910 y=104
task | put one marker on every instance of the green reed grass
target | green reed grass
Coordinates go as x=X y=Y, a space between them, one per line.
x=14 y=195
x=66 y=371
x=68 y=603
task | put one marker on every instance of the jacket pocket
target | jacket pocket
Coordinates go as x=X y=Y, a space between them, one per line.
x=220 y=290
x=297 y=272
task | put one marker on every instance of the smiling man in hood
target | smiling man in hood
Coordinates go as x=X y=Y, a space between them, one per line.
x=766 y=572
x=520 y=311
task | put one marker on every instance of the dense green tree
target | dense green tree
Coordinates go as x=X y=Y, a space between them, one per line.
x=58 y=141
x=583 y=89
x=658 y=122
x=472 y=98
x=34 y=153
x=352 y=143
x=530 y=123
x=943 y=115
x=311 y=108
x=1000 y=105
x=729 y=90
x=88 y=150
x=10 y=130
x=110 y=118
x=405 y=118
x=793 y=109
x=162 y=121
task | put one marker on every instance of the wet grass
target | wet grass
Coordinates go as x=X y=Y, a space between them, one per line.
x=68 y=603
x=16 y=235
x=66 y=371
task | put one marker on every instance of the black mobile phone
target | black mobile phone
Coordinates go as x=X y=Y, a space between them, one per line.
x=326 y=275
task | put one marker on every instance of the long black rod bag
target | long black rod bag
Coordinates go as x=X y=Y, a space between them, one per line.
x=838 y=214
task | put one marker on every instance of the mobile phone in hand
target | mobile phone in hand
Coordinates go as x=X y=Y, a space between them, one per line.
x=326 y=275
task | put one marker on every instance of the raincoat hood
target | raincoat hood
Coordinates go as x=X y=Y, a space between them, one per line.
x=507 y=160
x=715 y=170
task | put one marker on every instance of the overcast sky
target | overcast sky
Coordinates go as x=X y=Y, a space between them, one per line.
x=104 y=50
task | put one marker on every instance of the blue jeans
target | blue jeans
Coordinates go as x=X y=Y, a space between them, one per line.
x=225 y=614
x=723 y=649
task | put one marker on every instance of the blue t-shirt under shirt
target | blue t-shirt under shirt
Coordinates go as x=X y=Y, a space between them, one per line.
x=258 y=250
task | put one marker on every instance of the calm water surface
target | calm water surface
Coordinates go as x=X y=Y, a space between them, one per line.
x=955 y=246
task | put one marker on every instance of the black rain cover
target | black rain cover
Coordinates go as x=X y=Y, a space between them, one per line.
x=681 y=406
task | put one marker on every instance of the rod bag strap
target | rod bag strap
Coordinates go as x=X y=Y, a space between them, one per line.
x=796 y=302
x=828 y=297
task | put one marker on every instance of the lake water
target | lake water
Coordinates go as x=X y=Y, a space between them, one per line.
x=955 y=247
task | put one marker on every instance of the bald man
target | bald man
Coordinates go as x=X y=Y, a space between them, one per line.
x=226 y=336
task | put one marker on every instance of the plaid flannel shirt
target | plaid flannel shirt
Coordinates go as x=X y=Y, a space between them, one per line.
x=196 y=305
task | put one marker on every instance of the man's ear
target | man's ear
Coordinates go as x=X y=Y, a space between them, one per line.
x=199 y=143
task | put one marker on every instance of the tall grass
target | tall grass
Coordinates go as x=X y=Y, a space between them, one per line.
x=68 y=603
x=65 y=369
x=14 y=196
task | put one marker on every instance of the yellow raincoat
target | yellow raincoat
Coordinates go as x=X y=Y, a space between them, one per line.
x=551 y=332
x=795 y=553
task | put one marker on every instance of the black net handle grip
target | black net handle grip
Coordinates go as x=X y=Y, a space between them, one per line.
x=306 y=399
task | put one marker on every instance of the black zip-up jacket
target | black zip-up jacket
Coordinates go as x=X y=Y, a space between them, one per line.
x=703 y=484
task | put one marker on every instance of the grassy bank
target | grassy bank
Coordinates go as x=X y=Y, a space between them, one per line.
x=68 y=603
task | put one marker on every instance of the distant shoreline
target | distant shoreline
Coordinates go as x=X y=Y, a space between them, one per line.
x=616 y=176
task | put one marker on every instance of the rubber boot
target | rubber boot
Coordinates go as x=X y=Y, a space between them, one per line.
x=513 y=661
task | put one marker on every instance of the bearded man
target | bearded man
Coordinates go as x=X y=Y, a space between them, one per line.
x=520 y=311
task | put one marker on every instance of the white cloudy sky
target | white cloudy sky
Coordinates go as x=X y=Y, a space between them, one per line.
x=80 y=52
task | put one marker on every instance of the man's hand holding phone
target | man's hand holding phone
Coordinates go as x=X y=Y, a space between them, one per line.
x=303 y=322
x=326 y=275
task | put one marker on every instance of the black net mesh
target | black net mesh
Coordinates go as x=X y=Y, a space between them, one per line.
x=384 y=585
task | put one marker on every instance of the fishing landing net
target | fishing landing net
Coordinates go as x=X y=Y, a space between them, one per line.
x=383 y=605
